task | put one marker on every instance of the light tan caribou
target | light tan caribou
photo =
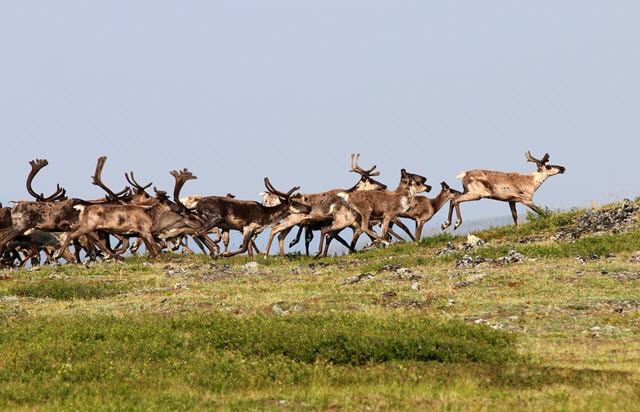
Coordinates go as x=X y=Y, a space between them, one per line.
x=507 y=187
x=423 y=208
x=379 y=206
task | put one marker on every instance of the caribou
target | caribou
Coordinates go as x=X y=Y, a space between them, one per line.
x=149 y=219
x=507 y=187
x=382 y=205
x=31 y=228
x=53 y=213
x=423 y=208
x=248 y=217
x=268 y=199
x=322 y=206
x=30 y=248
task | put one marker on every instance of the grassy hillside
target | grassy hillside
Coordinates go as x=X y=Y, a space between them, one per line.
x=545 y=316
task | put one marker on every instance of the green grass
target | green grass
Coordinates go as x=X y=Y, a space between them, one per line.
x=67 y=289
x=395 y=328
x=59 y=358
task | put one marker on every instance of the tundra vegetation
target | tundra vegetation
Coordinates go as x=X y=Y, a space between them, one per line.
x=540 y=316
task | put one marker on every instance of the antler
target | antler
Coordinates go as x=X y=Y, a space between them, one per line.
x=355 y=157
x=278 y=193
x=181 y=178
x=542 y=161
x=96 y=179
x=160 y=194
x=36 y=165
x=132 y=181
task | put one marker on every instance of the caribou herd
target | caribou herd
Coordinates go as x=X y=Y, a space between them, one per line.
x=57 y=229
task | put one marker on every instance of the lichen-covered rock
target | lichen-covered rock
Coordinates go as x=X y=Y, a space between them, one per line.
x=596 y=221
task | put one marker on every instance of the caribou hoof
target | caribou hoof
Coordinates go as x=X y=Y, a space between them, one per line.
x=369 y=245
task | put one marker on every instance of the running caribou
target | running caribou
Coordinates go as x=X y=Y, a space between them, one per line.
x=247 y=216
x=134 y=212
x=52 y=213
x=423 y=208
x=374 y=205
x=507 y=187
x=151 y=218
x=322 y=206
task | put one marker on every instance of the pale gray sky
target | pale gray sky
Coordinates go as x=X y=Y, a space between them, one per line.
x=239 y=90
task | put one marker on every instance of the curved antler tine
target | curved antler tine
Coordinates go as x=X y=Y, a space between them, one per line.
x=268 y=185
x=123 y=191
x=290 y=192
x=59 y=194
x=355 y=167
x=126 y=176
x=96 y=179
x=145 y=186
x=181 y=178
x=184 y=174
x=132 y=181
x=276 y=192
x=540 y=163
x=355 y=159
x=36 y=166
x=368 y=172
x=545 y=158
x=63 y=193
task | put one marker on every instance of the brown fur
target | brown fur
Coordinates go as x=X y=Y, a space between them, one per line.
x=507 y=187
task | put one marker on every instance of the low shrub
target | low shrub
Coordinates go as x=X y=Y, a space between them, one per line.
x=64 y=289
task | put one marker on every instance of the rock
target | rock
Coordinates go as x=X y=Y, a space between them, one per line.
x=512 y=257
x=449 y=249
x=357 y=278
x=584 y=259
x=474 y=241
x=614 y=220
x=468 y=262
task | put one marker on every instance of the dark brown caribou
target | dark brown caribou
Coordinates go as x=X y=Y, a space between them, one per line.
x=53 y=213
x=248 y=217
